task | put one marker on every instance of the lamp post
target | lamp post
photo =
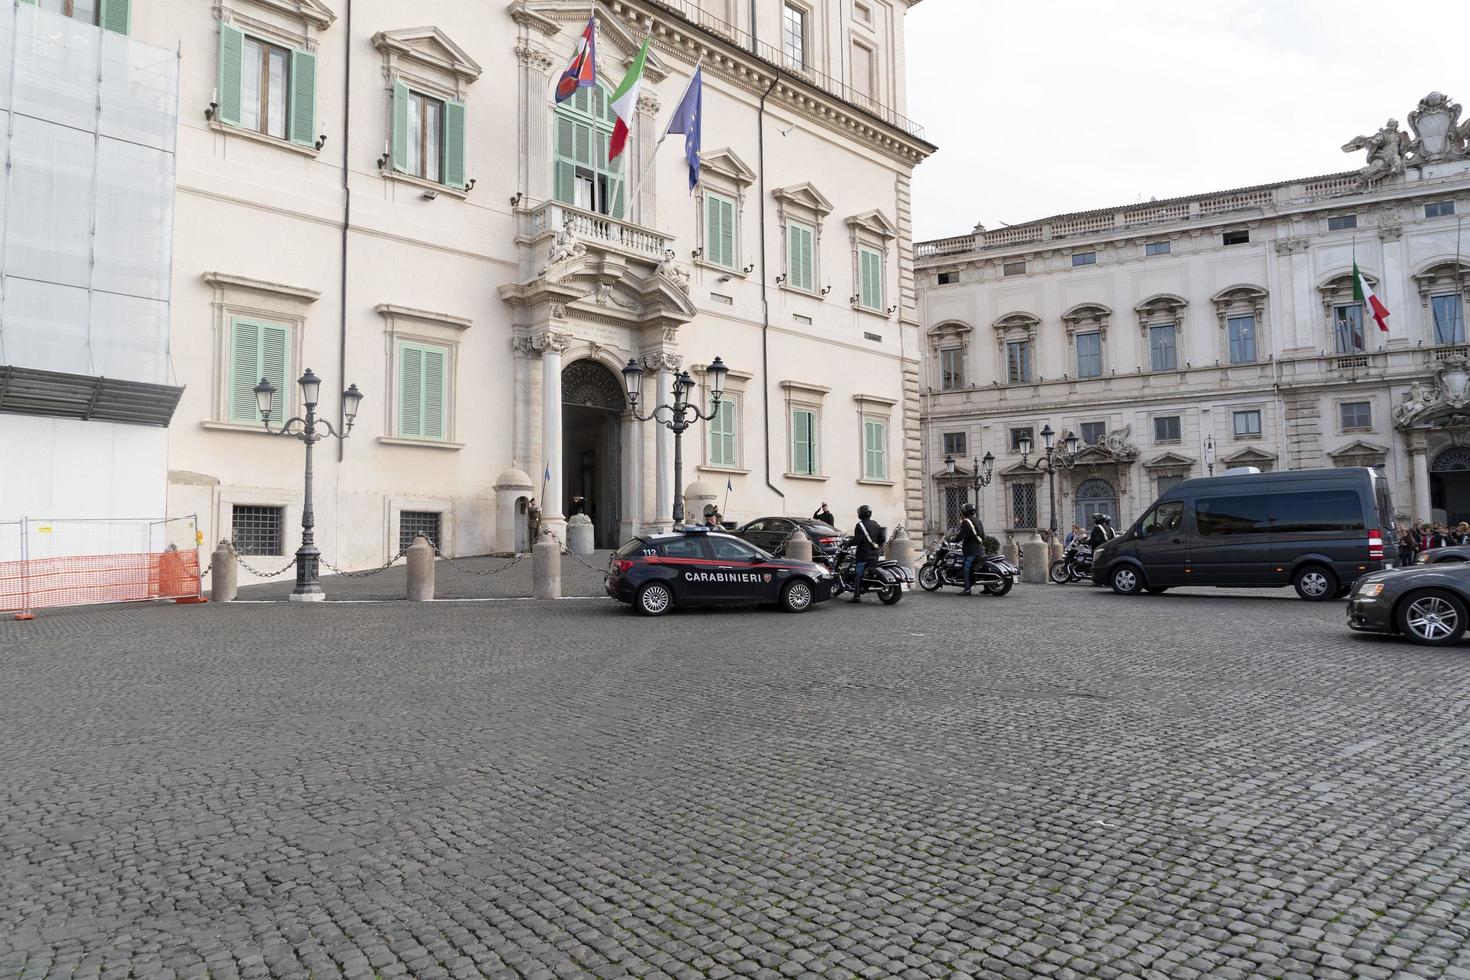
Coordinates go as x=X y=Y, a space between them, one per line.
x=979 y=478
x=308 y=558
x=682 y=413
x=1210 y=453
x=1055 y=457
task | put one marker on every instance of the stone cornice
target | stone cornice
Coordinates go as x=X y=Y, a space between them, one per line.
x=225 y=280
x=723 y=57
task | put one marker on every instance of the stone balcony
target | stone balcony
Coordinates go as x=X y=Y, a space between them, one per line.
x=553 y=232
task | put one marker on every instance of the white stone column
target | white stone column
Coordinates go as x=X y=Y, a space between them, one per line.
x=1393 y=288
x=1419 y=466
x=533 y=158
x=663 y=365
x=552 y=345
x=644 y=210
x=631 y=460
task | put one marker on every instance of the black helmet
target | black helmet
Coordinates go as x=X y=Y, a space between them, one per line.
x=968 y=510
x=1104 y=518
x=1099 y=518
x=864 y=512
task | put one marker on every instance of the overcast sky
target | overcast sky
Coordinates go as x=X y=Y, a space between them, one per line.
x=1048 y=106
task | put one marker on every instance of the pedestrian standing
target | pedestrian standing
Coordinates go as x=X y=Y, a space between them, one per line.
x=533 y=520
x=825 y=515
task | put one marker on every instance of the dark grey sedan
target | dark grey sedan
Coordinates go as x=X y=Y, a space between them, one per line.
x=1434 y=556
x=770 y=534
x=1427 y=604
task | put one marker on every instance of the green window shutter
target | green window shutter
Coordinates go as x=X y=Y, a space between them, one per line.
x=801 y=438
x=302 y=125
x=273 y=340
x=435 y=387
x=410 y=391
x=719 y=230
x=871 y=268
x=582 y=144
x=116 y=16
x=454 y=144
x=565 y=190
x=231 y=60
x=722 y=436
x=802 y=273
x=31 y=2
x=727 y=233
x=875 y=435
x=244 y=362
x=399 y=144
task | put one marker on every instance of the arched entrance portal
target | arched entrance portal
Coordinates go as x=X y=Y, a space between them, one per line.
x=593 y=403
x=1095 y=496
x=1449 y=485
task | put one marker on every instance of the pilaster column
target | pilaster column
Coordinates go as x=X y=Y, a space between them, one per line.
x=644 y=210
x=535 y=119
x=1419 y=467
x=551 y=345
x=1394 y=288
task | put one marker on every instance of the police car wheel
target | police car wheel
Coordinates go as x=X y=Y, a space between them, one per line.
x=797 y=596
x=654 y=599
x=891 y=595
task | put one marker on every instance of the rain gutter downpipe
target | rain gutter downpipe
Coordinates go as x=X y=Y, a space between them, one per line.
x=765 y=278
x=346 y=223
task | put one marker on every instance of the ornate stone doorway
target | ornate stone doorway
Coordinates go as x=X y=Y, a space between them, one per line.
x=593 y=405
x=1449 y=485
x=1094 y=496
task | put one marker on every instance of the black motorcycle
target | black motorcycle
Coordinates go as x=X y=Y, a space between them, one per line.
x=887 y=578
x=1074 y=565
x=946 y=566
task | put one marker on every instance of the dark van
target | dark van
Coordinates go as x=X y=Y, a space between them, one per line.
x=1317 y=530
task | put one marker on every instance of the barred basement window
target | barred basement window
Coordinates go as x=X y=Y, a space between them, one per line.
x=1167 y=483
x=257 y=530
x=412 y=523
x=1023 y=505
x=955 y=498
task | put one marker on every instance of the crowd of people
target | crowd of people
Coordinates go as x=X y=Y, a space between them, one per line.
x=1423 y=536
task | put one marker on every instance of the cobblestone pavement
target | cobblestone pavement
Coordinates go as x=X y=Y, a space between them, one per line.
x=1057 y=783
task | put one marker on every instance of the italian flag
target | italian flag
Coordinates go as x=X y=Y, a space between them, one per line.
x=625 y=102
x=1363 y=293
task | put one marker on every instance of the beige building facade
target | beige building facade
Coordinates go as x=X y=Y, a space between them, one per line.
x=1185 y=337
x=391 y=198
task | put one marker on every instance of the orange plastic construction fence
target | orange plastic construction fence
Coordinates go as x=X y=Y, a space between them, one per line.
x=88 y=579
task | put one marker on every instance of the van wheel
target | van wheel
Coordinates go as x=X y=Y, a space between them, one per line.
x=654 y=599
x=1315 y=583
x=1433 y=618
x=1126 y=580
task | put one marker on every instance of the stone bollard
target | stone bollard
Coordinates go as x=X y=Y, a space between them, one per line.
x=224 y=574
x=1033 y=559
x=901 y=549
x=1012 y=551
x=798 y=547
x=546 y=569
x=1053 y=552
x=420 y=570
x=580 y=535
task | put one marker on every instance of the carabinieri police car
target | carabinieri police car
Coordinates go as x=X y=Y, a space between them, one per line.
x=693 y=567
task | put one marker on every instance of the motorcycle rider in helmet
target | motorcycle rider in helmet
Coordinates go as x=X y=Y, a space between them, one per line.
x=971 y=535
x=1102 y=530
x=869 y=538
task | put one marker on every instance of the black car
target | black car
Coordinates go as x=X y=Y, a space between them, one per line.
x=1427 y=604
x=697 y=567
x=770 y=533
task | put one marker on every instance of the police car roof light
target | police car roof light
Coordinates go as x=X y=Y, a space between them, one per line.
x=694 y=529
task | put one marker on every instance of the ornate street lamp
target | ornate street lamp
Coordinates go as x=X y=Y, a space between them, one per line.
x=310 y=431
x=1210 y=453
x=1055 y=458
x=980 y=475
x=682 y=413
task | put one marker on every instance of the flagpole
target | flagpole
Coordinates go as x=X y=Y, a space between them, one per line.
x=642 y=177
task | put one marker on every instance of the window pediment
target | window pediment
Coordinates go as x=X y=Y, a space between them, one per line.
x=427 y=48
x=803 y=198
x=616 y=45
x=1359 y=454
x=1251 y=456
x=1016 y=325
x=873 y=224
x=1442 y=277
x=1159 y=310
x=726 y=164
x=1085 y=317
x=311 y=12
x=1169 y=461
x=1239 y=300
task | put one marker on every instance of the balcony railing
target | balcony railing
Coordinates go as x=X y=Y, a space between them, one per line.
x=596 y=230
x=775 y=57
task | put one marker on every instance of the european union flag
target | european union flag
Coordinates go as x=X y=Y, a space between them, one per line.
x=687 y=121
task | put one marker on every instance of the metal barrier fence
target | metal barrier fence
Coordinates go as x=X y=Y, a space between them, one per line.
x=79 y=561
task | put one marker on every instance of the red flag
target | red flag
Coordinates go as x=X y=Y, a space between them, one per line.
x=582 y=72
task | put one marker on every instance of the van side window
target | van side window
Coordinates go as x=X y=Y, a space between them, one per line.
x=1164 y=518
x=1215 y=516
x=1307 y=511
